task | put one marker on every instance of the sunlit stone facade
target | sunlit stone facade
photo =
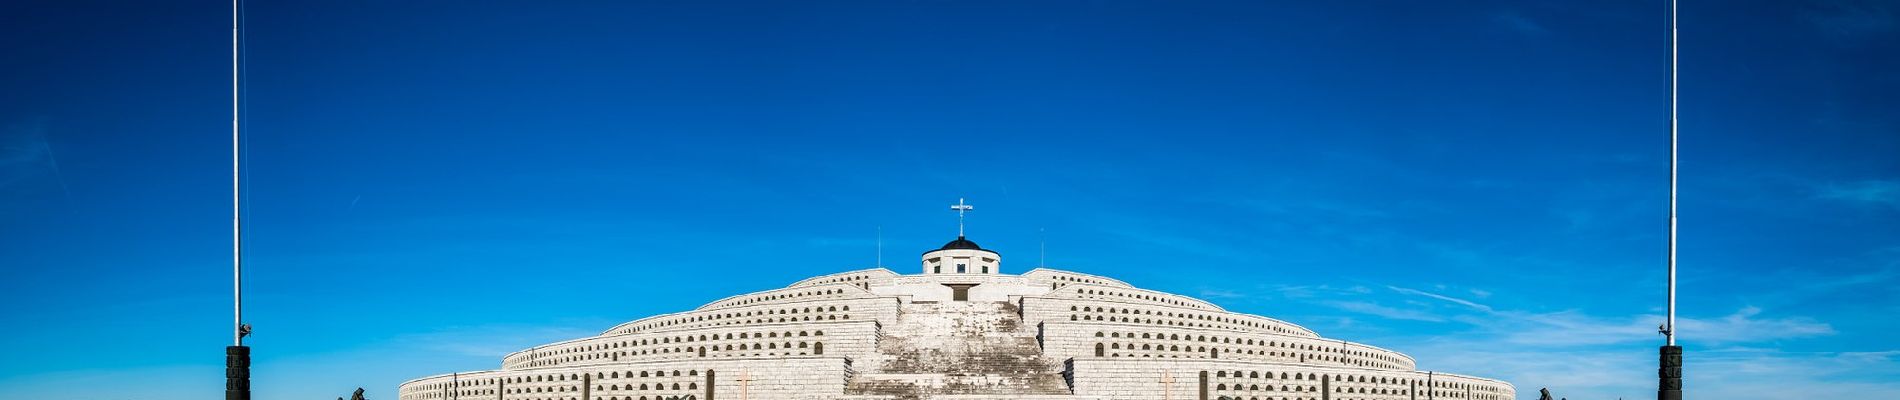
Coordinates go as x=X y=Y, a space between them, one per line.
x=960 y=329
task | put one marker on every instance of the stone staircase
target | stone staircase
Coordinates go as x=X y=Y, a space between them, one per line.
x=957 y=350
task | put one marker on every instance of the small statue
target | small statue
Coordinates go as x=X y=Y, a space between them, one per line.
x=358 y=395
x=1544 y=394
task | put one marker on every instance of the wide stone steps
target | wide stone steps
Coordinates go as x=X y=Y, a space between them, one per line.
x=957 y=350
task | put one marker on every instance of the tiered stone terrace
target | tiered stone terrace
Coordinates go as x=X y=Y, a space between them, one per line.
x=875 y=335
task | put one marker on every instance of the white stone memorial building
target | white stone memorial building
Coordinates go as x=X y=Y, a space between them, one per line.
x=960 y=328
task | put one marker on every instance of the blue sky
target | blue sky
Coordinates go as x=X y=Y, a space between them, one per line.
x=434 y=184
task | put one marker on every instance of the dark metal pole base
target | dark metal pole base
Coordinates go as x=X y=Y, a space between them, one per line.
x=237 y=373
x=1670 y=387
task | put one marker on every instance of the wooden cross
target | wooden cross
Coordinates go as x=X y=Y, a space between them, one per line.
x=1167 y=386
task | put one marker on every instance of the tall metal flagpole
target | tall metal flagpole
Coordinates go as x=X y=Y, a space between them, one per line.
x=1671 y=331
x=1669 y=373
x=237 y=358
x=237 y=258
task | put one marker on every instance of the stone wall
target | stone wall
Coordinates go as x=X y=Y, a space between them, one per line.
x=986 y=288
x=1060 y=278
x=1038 y=334
x=774 y=340
x=863 y=278
x=782 y=378
x=829 y=291
x=1129 y=295
x=1054 y=309
x=1149 y=379
x=881 y=309
x=1113 y=340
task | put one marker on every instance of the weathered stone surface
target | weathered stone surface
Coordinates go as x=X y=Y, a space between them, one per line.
x=1670 y=374
x=237 y=373
x=958 y=348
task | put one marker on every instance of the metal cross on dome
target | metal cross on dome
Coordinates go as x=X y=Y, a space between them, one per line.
x=961 y=208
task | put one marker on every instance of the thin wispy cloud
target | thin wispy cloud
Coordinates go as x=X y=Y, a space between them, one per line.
x=1853 y=18
x=1744 y=326
x=1311 y=291
x=1520 y=23
x=1453 y=300
x=1370 y=308
x=1581 y=355
x=1628 y=371
x=1569 y=328
x=1772 y=374
x=25 y=155
x=1868 y=192
x=1221 y=294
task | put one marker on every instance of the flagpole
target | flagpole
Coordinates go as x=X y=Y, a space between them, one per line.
x=237 y=357
x=1669 y=370
x=1670 y=333
x=237 y=240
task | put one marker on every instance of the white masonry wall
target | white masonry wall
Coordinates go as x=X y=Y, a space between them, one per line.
x=1146 y=379
x=765 y=340
x=1064 y=340
x=773 y=337
x=790 y=378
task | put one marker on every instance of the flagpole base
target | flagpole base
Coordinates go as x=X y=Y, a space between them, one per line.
x=237 y=373
x=1670 y=373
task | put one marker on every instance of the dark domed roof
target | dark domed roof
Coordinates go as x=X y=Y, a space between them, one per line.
x=961 y=244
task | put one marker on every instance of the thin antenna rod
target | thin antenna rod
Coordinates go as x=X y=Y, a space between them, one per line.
x=237 y=238
x=1669 y=329
x=880 y=246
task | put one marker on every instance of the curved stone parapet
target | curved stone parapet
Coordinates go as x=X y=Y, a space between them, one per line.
x=1058 y=278
x=862 y=278
x=1247 y=380
x=874 y=334
x=1075 y=307
x=830 y=309
x=1115 y=341
x=775 y=378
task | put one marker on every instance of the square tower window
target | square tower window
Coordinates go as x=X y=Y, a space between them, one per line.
x=936 y=269
x=960 y=268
